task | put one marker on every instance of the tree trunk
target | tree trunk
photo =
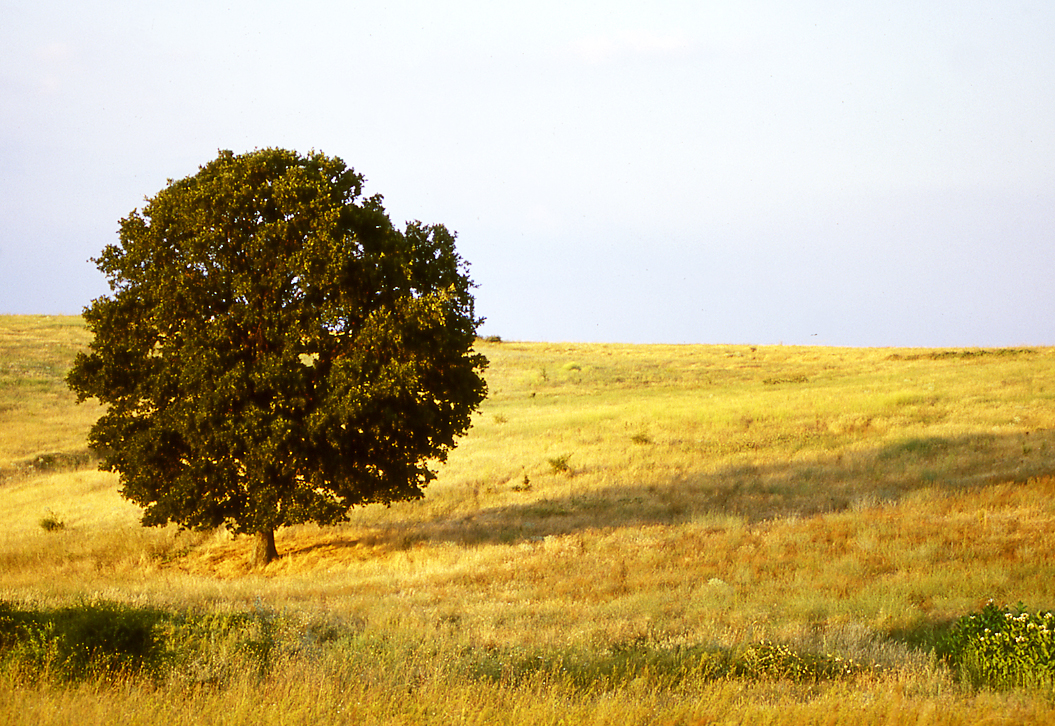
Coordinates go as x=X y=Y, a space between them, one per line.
x=264 y=551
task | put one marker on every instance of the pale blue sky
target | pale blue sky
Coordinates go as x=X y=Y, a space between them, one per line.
x=865 y=174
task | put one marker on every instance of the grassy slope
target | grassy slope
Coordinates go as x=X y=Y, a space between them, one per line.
x=833 y=499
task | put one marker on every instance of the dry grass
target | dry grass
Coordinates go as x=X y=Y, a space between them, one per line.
x=37 y=418
x=836 y=500
x=318 y=696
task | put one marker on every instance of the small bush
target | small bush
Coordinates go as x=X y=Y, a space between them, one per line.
x=772 y=661
x=560 y=465
x=50 y=522
x=1002 y=648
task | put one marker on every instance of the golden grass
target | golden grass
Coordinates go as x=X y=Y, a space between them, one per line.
x=37 y=417
x=838 y=500
x=332 y=694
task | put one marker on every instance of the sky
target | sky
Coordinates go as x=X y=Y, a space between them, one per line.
x=797 y=172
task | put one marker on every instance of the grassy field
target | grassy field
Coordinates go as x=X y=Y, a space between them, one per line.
x=628 y=534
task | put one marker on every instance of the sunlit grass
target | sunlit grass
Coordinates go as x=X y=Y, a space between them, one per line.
x=831 y=501
x=37 y=417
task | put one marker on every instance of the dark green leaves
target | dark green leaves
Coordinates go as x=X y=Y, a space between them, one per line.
x=274 y=350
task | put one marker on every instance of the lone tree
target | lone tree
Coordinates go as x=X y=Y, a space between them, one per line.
x=274 y=351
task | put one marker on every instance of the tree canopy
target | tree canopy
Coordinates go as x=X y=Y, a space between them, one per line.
x=275 y=351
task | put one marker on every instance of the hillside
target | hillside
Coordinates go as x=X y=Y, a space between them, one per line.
x=846 y=503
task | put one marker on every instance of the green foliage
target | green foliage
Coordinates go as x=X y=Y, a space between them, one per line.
x=105 y=640
x=275 y=351
x=1002 y=648
x=82 y=641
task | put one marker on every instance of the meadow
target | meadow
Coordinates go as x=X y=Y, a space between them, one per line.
x=628 y=534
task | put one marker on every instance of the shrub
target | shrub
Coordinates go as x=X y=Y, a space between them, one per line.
x=1002 y=648
x=779 y=662
x=560 y=464
x=50 y=522
x=82 y=641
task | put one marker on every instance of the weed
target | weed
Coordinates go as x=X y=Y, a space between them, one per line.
x=560 y=465
x=51 y=522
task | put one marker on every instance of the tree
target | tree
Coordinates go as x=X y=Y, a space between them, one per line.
x=274 y=351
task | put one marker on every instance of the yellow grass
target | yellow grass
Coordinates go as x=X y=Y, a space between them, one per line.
x=837 y=500
x=36 y=415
